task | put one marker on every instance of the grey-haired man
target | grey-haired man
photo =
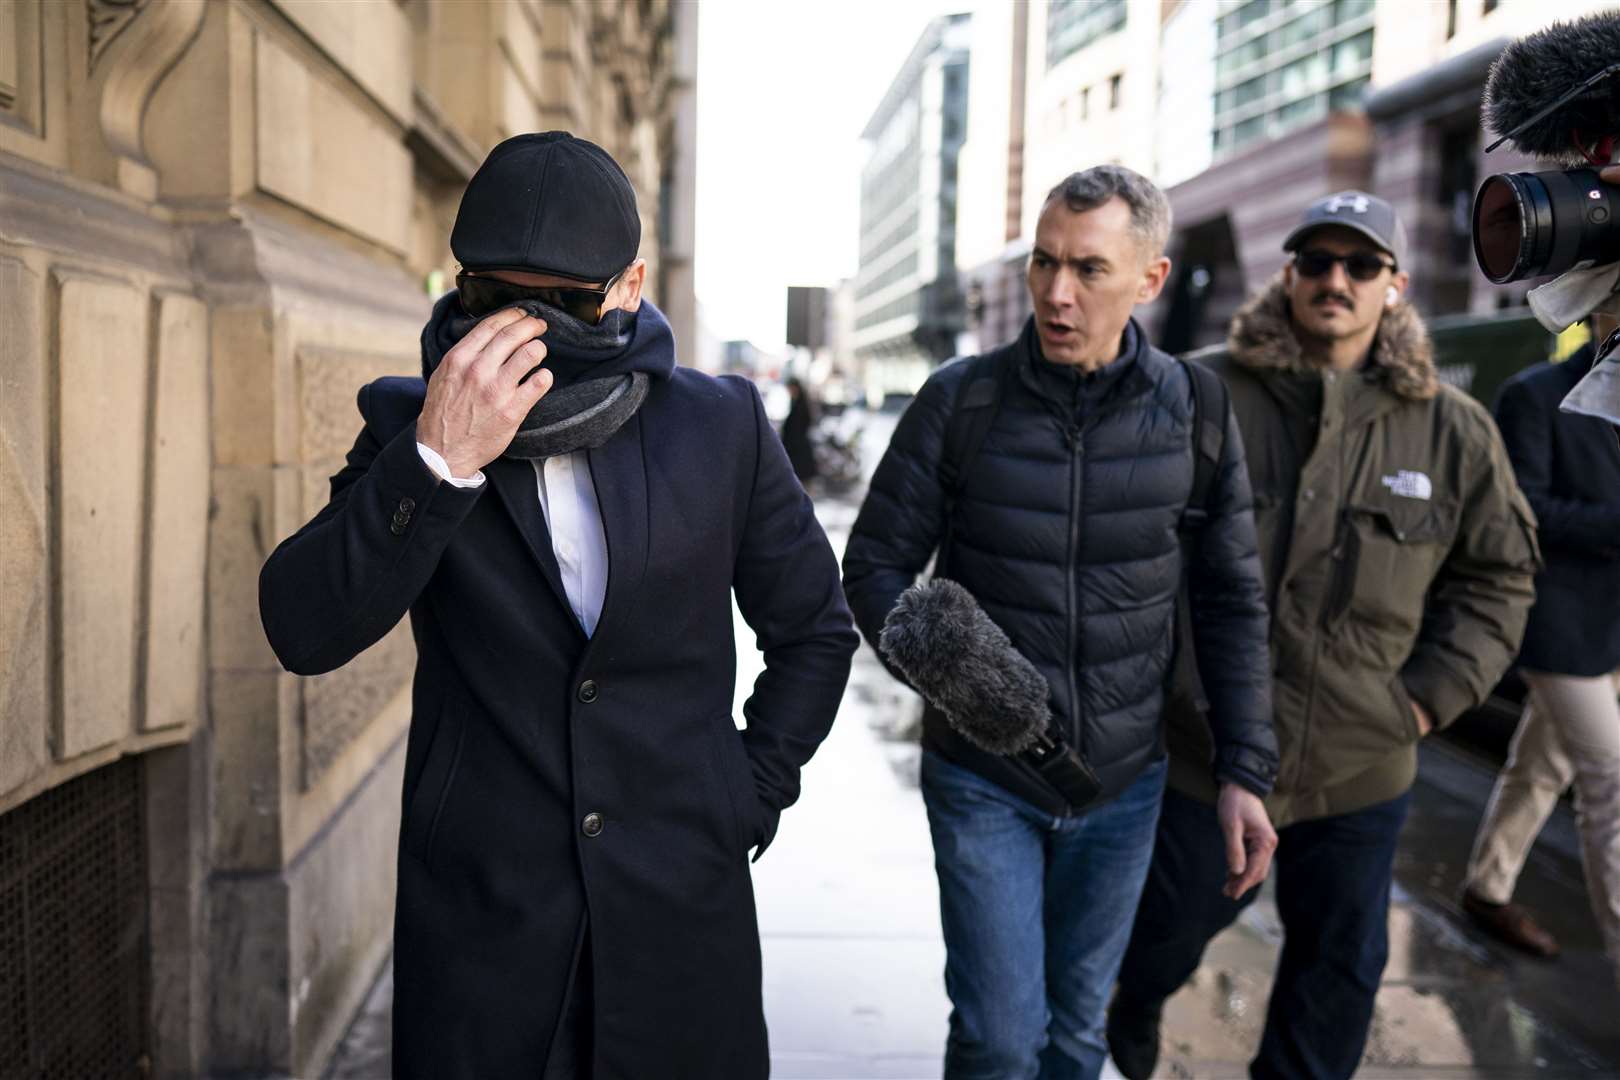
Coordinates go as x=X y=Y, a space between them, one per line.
x=1067 y=525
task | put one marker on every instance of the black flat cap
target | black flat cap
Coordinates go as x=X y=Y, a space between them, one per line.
x=548 y=203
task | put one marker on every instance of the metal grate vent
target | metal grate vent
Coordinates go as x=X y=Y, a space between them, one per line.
x=73 y=941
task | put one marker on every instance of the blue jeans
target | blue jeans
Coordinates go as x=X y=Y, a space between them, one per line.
x=1333 y=878
x=1037 y=912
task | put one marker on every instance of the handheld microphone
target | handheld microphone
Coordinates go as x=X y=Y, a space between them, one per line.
x=966 y=667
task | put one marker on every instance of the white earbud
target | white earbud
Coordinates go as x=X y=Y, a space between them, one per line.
x=1391 y=296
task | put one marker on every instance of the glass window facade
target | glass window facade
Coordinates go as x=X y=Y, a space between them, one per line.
x=1283 y=64
x=1071 y=25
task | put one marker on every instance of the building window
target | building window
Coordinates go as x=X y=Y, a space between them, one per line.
x=1071 y=25
x=1113 y=92
x=1085 y=103
x=1490 y=6
x=1301 y=62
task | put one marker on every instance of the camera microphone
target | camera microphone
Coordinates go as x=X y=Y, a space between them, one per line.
x=1558 y=90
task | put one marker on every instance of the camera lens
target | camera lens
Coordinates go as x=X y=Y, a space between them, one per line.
x=1536 y=224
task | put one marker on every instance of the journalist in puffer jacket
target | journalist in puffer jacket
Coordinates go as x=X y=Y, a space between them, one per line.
x=1066 y=528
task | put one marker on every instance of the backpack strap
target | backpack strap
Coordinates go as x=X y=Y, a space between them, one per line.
x=1212 y=404
x=978 y=399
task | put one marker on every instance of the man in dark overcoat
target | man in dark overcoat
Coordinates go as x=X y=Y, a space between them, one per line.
x=565 y=514
x=1569 y=733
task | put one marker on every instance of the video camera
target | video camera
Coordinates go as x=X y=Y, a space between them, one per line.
x=1556 y=95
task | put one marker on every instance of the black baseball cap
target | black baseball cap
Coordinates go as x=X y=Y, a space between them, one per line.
x=548 y=203
x=1367 y=214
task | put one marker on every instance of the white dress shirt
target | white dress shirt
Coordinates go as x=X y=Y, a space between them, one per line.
x=574 y=520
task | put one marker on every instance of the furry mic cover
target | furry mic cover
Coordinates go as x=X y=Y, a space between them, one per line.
x=966 y=667
x=1537 y=70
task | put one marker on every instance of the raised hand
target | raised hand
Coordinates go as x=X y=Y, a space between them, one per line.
x=482 y=390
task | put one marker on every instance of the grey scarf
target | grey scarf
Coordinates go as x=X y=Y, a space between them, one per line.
x=602 y=373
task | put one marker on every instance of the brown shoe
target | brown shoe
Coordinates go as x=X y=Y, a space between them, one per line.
x=1510 y=924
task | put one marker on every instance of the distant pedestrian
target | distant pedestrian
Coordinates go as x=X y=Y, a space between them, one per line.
x=1569 y=468
x=574 y=897
x=1399 y=555
x=797 y=429
x=1055 y=479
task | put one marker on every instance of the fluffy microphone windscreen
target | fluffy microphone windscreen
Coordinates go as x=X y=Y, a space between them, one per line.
x=966 y=667
x=1537 y=70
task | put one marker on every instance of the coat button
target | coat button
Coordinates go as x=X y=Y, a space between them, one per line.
x=402 y=518
x=587 y=691
x=397 y=529
x=592 y=825
x=406 y=505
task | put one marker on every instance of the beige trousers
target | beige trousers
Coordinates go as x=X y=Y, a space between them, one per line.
x=1570 y=732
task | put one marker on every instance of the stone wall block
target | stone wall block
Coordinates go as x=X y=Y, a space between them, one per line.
x=178 y=510
x=249 y=1024
x=520 y=40
x=519 y=113
x=328 y=380
x=321 y=151
x=250 y=710
x=339 y=706
x=177 y=828
x=370 y=42
x=252 y=510
x=24 y=699
x=341 y=899
x=243 y=385
x=101 y=391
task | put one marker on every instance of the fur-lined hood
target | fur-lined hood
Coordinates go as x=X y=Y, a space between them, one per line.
x=1262 y=336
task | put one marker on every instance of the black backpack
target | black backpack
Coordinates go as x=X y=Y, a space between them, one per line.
x=978 y=399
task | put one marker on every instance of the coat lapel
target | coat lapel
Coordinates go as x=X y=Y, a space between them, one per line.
x=619 y=473
x=520 y=491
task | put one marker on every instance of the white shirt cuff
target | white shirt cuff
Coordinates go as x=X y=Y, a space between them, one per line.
x=437 y=463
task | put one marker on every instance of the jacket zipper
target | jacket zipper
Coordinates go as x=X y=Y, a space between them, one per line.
x=1077 y=450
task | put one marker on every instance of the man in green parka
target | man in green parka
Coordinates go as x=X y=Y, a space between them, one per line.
x=1399 y=556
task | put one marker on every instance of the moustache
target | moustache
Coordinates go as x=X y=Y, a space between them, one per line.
x=1340 y=298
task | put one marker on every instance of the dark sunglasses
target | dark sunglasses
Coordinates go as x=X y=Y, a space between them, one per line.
x=1362 y=266
x=482 y=296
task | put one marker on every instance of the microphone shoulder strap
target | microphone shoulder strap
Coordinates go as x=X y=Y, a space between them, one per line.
x=978 y=399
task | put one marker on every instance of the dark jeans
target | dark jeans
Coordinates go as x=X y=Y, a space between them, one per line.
x=1333 y=880
x=1036 y=912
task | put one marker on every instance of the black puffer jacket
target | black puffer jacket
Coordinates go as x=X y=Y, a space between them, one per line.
x=1066 y=533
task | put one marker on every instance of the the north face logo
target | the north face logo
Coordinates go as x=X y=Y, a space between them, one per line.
x=1357 y=203
x=1410 y=485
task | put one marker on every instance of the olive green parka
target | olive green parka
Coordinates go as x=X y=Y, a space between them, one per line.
x=1399 y=557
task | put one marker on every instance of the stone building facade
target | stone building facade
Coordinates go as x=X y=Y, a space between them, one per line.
x=217 y=219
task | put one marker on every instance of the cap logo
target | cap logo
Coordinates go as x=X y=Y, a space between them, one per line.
x=1357 y=203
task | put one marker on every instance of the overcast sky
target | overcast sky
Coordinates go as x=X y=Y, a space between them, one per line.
x=784 y=88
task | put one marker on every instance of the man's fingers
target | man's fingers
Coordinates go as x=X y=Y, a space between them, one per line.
x=1259 y=864
x=508 y=340
x=532 y=391
x=467 y=349
x=527 y=357
x=1611 y=174
x=1236 y=858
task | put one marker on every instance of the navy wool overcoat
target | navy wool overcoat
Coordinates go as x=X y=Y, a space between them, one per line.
x=555 y=782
